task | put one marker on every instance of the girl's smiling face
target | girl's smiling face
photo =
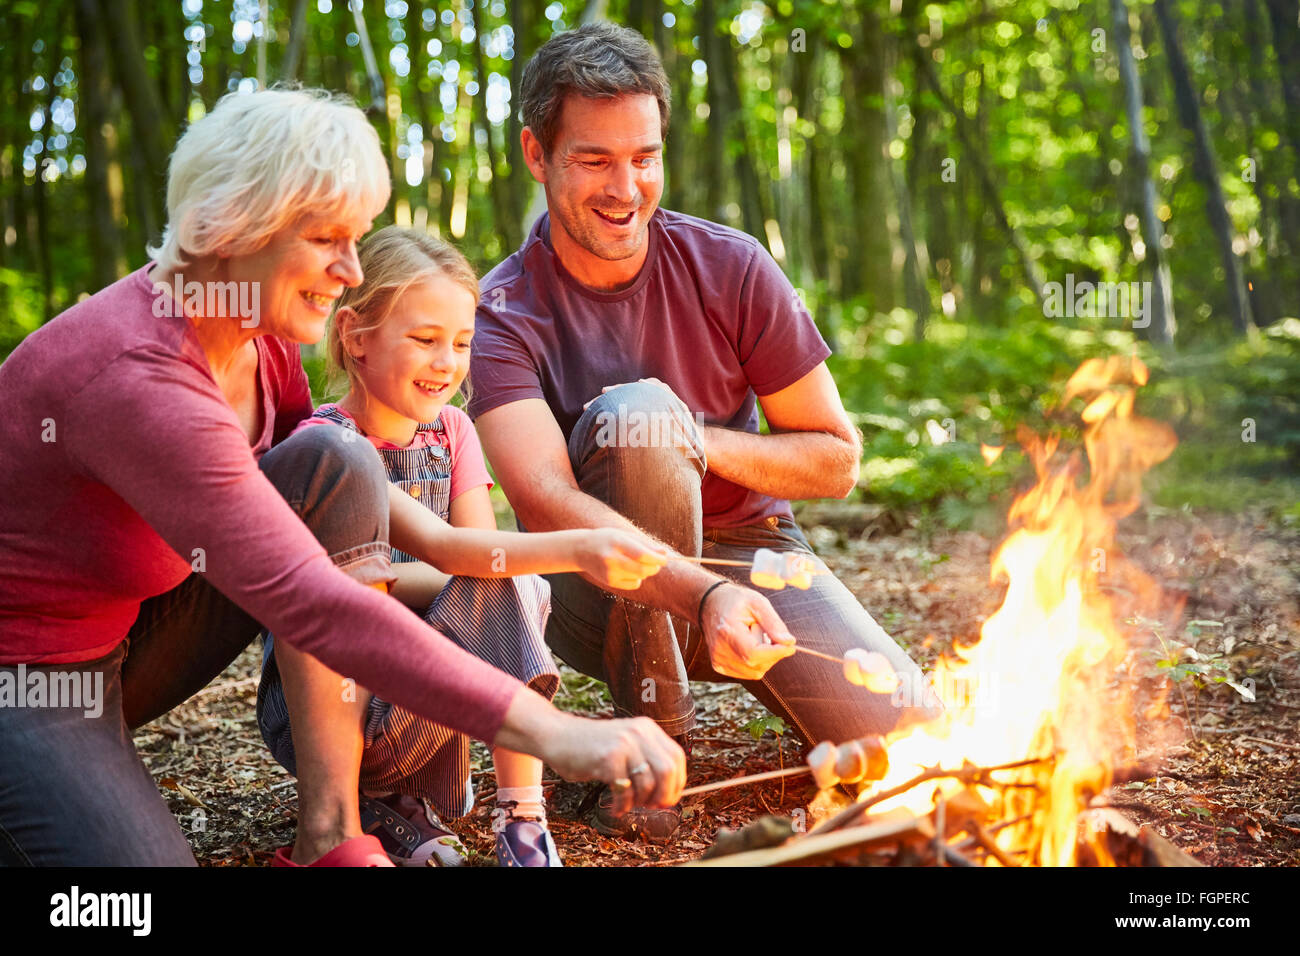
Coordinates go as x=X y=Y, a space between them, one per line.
x=414 y=361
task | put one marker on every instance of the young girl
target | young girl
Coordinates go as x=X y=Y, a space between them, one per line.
x=403 y=339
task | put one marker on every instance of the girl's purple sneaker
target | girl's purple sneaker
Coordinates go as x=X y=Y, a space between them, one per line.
x=523 y=842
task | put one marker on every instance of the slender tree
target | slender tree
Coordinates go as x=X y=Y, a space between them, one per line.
x=1162 y=312
x=103 y=178
x=1205 y=166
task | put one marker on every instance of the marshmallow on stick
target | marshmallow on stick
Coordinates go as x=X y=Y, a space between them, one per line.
x=851 y=761
x=775 y=569
x=870 y=669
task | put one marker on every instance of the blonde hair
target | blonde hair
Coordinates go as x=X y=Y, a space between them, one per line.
x=392 y=260
x=258 y=162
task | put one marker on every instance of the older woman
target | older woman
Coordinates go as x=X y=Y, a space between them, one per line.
x=153 y=516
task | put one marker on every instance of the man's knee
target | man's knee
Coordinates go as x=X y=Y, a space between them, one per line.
x=635 y=419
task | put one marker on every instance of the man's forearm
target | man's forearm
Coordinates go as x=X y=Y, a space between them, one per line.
x=789 y=465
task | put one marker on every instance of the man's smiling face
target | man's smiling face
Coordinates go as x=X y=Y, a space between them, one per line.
x=604 y=178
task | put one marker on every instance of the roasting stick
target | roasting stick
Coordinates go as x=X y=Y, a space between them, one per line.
x=823 y=656
x=854 y=760
x=721 y=561
x=742 y=781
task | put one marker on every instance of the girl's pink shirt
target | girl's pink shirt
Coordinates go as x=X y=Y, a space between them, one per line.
x=122 y=462
x=468 y=469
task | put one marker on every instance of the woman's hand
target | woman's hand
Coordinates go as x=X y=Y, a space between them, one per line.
x=642 y=764
x=617 y=559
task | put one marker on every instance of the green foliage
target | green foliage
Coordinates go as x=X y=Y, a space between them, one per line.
x=974 y=384
x=1182 y=661
x=21 y=309
x=761 y=725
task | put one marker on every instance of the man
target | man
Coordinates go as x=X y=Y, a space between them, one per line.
x=618 y=357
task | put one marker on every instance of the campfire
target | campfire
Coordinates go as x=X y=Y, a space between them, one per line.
x=1040 y=714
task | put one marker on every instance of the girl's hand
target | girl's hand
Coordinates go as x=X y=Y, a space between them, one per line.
x=616 y=558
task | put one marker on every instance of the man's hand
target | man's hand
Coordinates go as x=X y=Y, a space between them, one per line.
x=745 y=636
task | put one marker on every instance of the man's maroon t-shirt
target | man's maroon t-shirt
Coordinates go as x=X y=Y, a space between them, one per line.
x=710 y=314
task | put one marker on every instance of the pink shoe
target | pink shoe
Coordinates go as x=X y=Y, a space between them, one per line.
x=358 y=851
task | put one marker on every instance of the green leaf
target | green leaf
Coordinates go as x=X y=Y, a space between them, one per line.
x=761 y=725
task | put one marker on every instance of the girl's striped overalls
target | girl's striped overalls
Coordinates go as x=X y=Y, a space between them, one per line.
x=500 y=620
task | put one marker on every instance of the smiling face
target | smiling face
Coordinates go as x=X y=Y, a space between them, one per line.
x=604 y=179
x=299 y=273
x=414 y=361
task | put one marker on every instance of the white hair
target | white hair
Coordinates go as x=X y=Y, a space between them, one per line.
x=258 y=162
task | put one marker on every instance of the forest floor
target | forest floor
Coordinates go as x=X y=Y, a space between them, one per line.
x=1226 y=789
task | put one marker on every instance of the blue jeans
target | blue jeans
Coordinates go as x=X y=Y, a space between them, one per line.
x=648 y=656
x=73 y=790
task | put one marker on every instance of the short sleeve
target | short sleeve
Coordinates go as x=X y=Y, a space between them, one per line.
x=501 y=368
x=779 y=342
x=468 y=470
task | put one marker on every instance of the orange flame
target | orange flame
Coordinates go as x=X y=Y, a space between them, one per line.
x=1037 y=682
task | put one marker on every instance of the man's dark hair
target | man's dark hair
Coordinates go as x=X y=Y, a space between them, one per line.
x=598 y=60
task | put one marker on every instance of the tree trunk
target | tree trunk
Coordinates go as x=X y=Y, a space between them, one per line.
x=42 y=189
x=151 y=133
x=679 y=119
x=297 y=36
x=753 y=187
x=18 y=135
x=869 y=267
x=377 y=109
x=521 y=21
x=1285 y=38
x=715 y=187
x=1205 y=167
x=432 y=133
x=1284 y=17
x=103 y=175
x=507 y=227
x=1162 y=325
x=916 y=295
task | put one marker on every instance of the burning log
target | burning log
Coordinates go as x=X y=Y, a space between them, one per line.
x=966 y=774
x=901 y=826
x=1129 y=844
